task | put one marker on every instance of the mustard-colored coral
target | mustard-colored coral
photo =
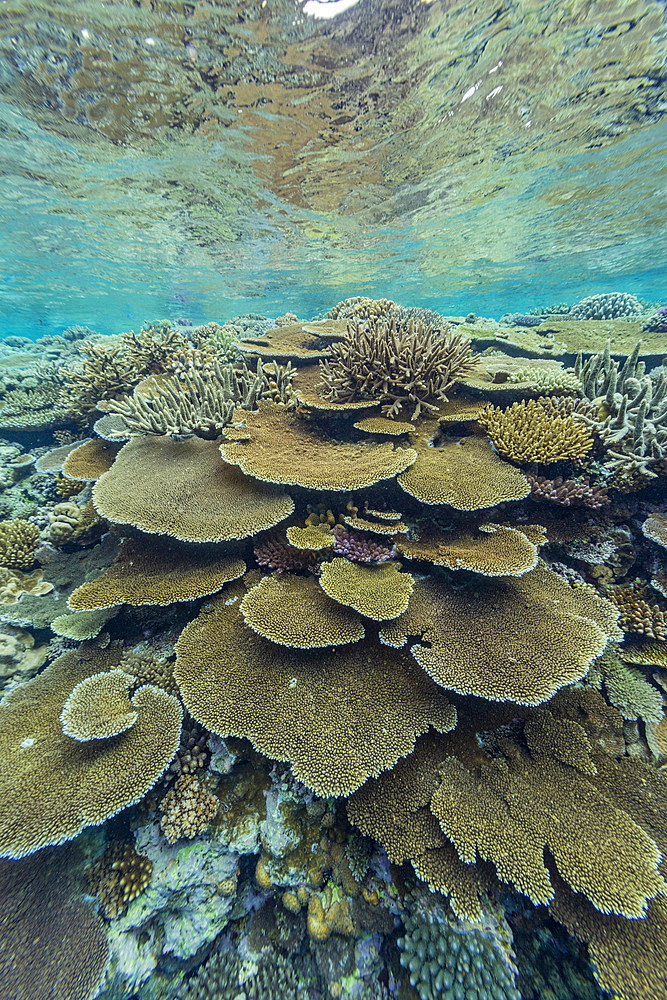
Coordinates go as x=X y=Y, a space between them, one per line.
x=118 y=877
x=13 y=583
x=466 y=474
x=509 y=638
x=492 y=550
x=99 y=707
x=286 y=450
x=18 y=541
x=74 y=784
x=655 y=528
x=380 y=592
x=337 y=719
x=146 y=573
x=187 y=809
x=295 y=611
x=639 y=613
x=90 y=460
x=313 y=538
x=545 y=429
x=183 y=489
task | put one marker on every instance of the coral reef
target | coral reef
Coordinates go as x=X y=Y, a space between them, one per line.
x=569 y=492
x=609 y=305
x=400 y=365
x=187 y=809
x=118 y=877
x=546 y=429
x=225 y=974
x=18 y=541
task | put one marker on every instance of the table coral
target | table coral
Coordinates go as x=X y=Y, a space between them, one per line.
x=546 y=429
x=286 y=450
x=148 y=574
x=399 y=364
x=295 y=611
x=51 y=939
x=99 y=707
x=90 y=460
x=183 y=489
x=508 y=638
x=379 y=592
x=74 y=784
x=492 y=549
x=336 y=719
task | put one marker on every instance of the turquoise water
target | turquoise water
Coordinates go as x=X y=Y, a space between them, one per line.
x=246 y=158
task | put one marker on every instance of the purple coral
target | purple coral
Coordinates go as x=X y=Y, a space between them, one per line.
x=275 y=552
x=360 y=547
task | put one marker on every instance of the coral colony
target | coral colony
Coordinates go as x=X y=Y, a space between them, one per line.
x=334 y=657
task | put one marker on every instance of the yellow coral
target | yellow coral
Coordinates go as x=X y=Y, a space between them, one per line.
x=545 y=429
x=18 y=541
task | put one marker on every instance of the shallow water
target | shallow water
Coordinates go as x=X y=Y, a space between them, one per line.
x=219 y=158
x=333 y=656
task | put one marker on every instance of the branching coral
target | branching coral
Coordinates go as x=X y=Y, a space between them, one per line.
x=202 y=402
x=546 y=429
x=18 y=541
x=629 y=411
x=187 y=809
x=568 y=492
x=118 y=877
x=411 y=365
x=638 y=612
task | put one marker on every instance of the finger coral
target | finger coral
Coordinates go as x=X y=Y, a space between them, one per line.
x=509 y=638
x=187 y=809
x=145 y=573
x=183 y=489
x=286 y=450
x=18 y=541
x=337 y=719
x=546 y=429
x=411 y=365
x=380 y=592
x=118 y=877
x=52 y=786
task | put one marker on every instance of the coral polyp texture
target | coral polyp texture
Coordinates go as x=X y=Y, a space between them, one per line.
x=284 y=449
x=402 y=365
x=99 y=707
x=379 y=592
x=183 y=489
x=546 y=429
x=492 y=550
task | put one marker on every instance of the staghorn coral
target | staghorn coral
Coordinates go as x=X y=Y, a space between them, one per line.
x=308 y=394
x=638 y=613
x=464 y=473
x=492 y=549
x=568 y=492
x=187 y=809
x=546 y=429
x=411 y=365
x=509 y=638
x=53 y=943
x=295 y=611
x=359 y=547
x=74 y=784
x=447 y=958
x=202 y=402
x=286 y=450
x=18 y=541
x=117 y=877
x=379 y=592
x=99 y=707
x=184 y=490
x=145 y=573
x=628 y=413
x=608 y=305
x=336 y=719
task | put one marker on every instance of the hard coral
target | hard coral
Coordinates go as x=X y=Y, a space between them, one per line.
x=359 y=547
x=99 y=707
x=379 y=592
x=187 y=809
x=638 y=613
x=397 y=364
x=568 y=492
x=118 y=877
x=18 y=541
x=546 y=429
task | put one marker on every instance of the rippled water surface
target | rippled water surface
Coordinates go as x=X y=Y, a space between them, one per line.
x=213 y=157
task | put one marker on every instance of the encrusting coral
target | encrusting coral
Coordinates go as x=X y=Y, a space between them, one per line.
x=398 y=364
x=117 y=877
x=546 y=429
x=187 y=809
